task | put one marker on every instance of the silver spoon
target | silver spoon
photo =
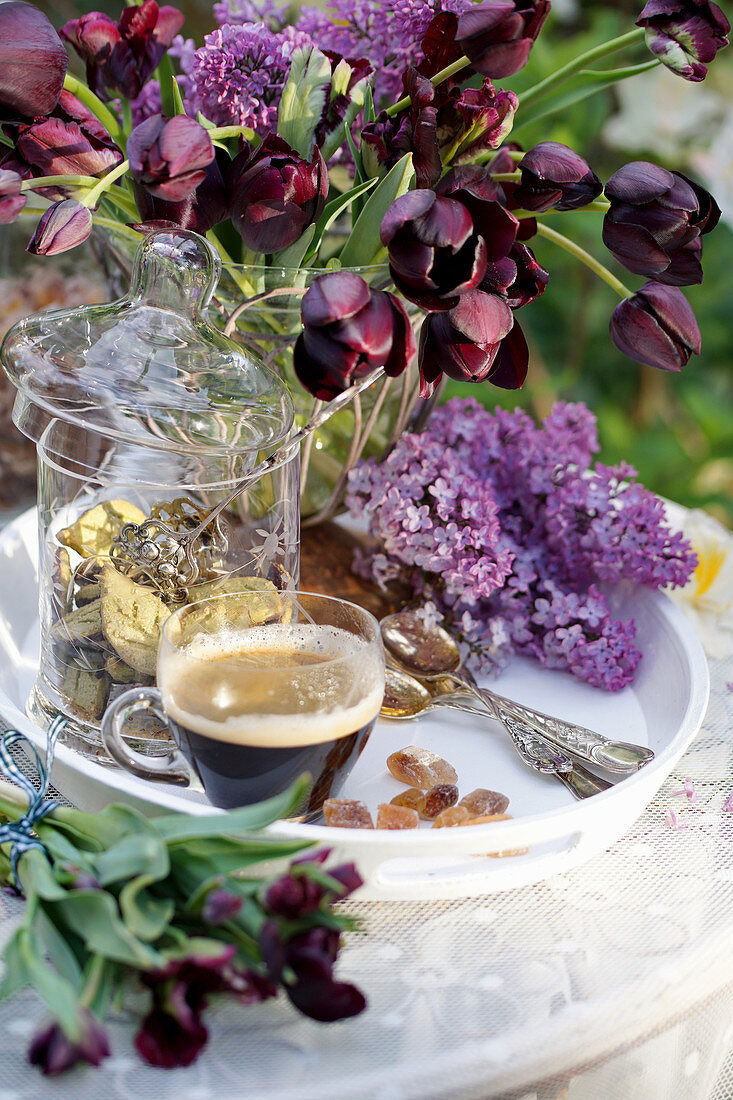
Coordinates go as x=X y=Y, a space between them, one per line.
x=431 y=654
x=406 y=698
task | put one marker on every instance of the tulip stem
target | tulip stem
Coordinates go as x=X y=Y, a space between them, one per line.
x=220 y=132
x=585 y=258
x=562 y=74
x=506 y=177
x=90 y=200
x=444 y=74
x=58 y=181
x=95 y=105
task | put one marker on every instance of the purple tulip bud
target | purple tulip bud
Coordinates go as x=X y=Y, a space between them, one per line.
x=655 y=221
x=169 y=156
x=54 y=1052
x=121 y=56
x=71 y=141
x=474 y=188
x=497 y=35
x=11 y=199
x=554 y=177
x=512 y=360
x=487 y=117
x=33 y=62
x=310 y=956
x=656 y=326
x=518 y=278
x=349 y=330
x=63 y=226
x=434 y=253
x=220 y=906
x=276 y=195
x=463 y=343
x=684 y=34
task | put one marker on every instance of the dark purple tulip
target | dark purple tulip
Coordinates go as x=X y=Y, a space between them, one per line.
x=169 y=156
x=482 y=118
x=33 y=62
x=63 y=226
x=497 y=35
x=518 y=278
x=310 y=958
x=348 y=330
x=121 y=56
x=434 y=252
x=474 y=188
x=464 y=342
x=276 y=195
x=294 y=895
x=54 y=1052
x=554 y=177
x=656 y=326
x=204 y=208
x=684 y=34
x=11 y=199
x=655 y=222
x=173 y=1033
x=512 y=360
x=71 y=141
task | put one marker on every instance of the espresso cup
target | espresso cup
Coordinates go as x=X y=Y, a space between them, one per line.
x=257 y=691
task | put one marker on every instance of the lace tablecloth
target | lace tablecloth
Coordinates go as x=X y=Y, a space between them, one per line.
x=611 y=981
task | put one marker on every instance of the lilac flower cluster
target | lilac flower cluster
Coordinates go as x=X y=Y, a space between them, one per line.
x=237 y=77
x=505 y=529
x=387 y=32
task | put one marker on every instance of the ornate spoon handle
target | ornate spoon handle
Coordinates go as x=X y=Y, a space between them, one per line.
x=619 y=757
x=534 y=750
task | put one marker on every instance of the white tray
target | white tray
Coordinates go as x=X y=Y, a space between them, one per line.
x=664 y=709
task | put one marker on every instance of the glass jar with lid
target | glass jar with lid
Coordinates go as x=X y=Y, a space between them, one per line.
x=141 y=410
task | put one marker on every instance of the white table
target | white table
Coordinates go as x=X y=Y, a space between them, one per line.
x=610 y=982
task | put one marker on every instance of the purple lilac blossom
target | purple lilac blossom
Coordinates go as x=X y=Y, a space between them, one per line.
x=272 y=12
x=237 y=76
x=505 y=529
x=388 y=32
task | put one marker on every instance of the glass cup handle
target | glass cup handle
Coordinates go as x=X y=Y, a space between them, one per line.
x=171 y=768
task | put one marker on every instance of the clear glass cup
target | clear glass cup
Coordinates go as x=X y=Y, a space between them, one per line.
x=257 y=688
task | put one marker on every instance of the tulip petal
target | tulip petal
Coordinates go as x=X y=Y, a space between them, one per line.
x=33 y=61
x=334 y=296
x=512 y=359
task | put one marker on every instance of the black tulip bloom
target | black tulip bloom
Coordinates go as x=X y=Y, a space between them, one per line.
x=276 y=195
x=656 y=326
x=121 y=56
x=33 y=62
x=463 y=343
x=497 y=35
x=349 y=330
x=474 y=188
x=204 y=208
x=304 y=964
x=684 y=34
x=555 y=178
x=435 y=254
x=655 y=222
x=169 y=156
x=62 y=227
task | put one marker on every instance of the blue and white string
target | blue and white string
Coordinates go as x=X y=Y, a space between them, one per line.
x=20 y=833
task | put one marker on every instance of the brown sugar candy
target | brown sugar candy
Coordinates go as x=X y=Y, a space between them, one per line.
x=481 y=802
x=347 y=813
x=390 y=816
x=418 y=767
x=454 y=815
x=439 y=798
x=413 y=797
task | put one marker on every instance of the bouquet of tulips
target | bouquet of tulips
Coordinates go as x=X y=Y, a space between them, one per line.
x=372 y=132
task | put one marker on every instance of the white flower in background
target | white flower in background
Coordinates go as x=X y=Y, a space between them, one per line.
x=707 y=598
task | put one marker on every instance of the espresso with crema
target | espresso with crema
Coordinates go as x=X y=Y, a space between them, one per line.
x=254 y=709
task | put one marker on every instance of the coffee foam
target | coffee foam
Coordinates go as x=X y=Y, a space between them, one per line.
x=346 y=660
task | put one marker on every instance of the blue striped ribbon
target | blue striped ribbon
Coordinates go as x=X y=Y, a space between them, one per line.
x=20 y=833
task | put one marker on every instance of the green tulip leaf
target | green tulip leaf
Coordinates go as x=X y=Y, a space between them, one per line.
x=332 y=210
x=132 y=856
x=56 y=992
x=145 y=915
x=292 y=256
x=93 y=915
x=363 y=246
x=176 y=827
x=59 y=948
x=16 y=974
x=336 y=125
x=577 y=88
x=303 y=99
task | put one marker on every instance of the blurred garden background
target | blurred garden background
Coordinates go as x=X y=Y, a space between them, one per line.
x=675 y=429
